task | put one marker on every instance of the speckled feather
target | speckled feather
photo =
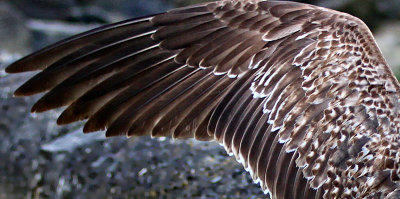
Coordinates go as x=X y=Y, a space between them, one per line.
x=300 y=95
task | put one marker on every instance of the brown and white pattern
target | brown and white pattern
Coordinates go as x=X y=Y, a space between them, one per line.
x=300 y=95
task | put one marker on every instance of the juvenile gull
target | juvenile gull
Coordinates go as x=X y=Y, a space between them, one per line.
x=301 y=95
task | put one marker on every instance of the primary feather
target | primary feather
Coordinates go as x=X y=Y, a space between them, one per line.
x=300 y=94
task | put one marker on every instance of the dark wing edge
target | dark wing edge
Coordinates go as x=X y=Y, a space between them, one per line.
x=301 y=95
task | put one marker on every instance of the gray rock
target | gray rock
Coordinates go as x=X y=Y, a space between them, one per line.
x=71 y=141
x=14 y=35
x=387 y=37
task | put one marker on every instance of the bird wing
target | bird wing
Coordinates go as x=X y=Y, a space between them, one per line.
x=300 y=94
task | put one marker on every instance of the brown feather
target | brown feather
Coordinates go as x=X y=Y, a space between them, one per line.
x=282 y=169
x=49 y=55
x=249 y=136
x=246 y=121
x=289 y=181
x=111 y=110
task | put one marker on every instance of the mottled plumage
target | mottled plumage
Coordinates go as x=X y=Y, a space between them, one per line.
x=300 y=95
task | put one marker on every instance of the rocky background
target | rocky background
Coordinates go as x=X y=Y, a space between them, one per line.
x=41 y=160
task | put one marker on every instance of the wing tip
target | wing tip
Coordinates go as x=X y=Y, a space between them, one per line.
x=25 y=64
x=19 y=93
x=30 y=87
x=14 y=68
x=23 y=91
x=39 y=107
x=91 y=126
x=66 y=117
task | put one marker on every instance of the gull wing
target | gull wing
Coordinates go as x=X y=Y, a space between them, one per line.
x=300 y=95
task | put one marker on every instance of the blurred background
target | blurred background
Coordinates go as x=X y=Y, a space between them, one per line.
x=41 y=160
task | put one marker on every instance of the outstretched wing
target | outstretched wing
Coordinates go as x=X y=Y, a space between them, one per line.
x=301 y=95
